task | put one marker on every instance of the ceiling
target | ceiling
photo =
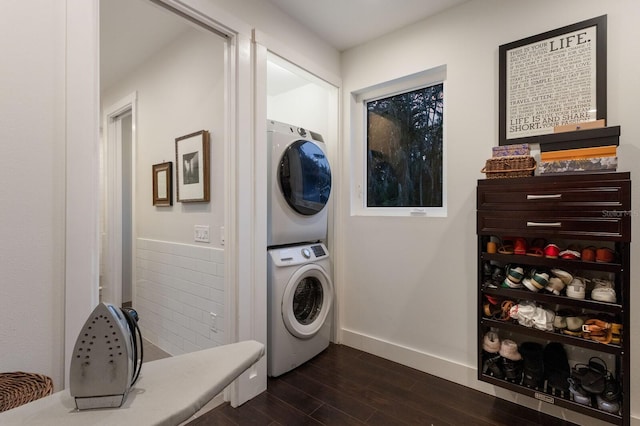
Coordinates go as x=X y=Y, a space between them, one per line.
x=348 y=23
x=133 y=30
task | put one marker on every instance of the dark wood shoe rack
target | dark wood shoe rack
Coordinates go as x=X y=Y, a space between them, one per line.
x=582 y=209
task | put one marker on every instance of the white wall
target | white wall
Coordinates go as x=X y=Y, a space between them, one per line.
x=179 y=287
x=168 y=108
x=307 y=107
x=409 y=291
x=32 y=204
x=286 y=37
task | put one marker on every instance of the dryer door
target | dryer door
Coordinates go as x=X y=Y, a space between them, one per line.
x=304 y=176
x=307 y=301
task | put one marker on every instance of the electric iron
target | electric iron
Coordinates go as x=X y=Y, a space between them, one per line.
x=106 y=359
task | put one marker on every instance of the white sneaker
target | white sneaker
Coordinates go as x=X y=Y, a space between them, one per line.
x=603 y=291
x=577 y=288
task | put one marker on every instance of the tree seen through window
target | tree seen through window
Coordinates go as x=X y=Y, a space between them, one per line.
x=404 y=149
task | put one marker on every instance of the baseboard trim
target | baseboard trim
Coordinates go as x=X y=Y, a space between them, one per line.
x=457 y=373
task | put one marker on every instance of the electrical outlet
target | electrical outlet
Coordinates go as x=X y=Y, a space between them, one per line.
x=201 y=233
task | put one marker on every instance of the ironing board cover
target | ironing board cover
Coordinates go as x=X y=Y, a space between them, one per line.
x=169 y=391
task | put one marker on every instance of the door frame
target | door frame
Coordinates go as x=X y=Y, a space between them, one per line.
x=112 y=183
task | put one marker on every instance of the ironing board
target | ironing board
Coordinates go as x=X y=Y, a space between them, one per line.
x=168 y=392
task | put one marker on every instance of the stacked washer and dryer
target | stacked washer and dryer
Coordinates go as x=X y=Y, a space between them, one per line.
x=300 y=290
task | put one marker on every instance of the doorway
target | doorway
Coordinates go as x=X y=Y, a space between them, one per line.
x=177 y=85
x=117 y=260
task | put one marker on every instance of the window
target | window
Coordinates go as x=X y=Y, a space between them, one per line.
x=404 y=149
x=402 y=139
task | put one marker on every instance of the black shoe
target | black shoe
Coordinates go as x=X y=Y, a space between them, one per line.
x=491 y=365
x=533 y=369
x=512 y=370
x=556 y=368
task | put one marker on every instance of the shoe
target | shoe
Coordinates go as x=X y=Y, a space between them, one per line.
x=616 y=333
x=497 y=275
x=509 y=350
x=578 y=393
x=598 y=330
x=612 y=390
x=605 y=254
x=537 y=281
x=577 y=288
x=491 y=366
x=609 y=399
x=524 y=313
x=560 y=320
x=536 y=248
x=514 y=276
x=520 y=246
x=603 y=291
x=533 y=367
x=574 y=326
x=540 y=279
x=563 y=275
x=506 y=246
x=555 y=286
x=507 y=283
x=491 y=356
x=543 y=319
x=591 y=377
x=491 y=342
x=612 y=407
x=556 y=368
x=528 y=285
x=588 y=254
x=551 y=251
x=511 y=360
x=571 y=253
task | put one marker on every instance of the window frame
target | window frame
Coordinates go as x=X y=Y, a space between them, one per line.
x=359 y=101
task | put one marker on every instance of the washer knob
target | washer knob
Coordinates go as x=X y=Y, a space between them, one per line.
x=302 y=132
x=306 y=253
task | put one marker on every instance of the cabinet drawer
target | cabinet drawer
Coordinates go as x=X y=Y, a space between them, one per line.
x=542 y=193
x=567 y=224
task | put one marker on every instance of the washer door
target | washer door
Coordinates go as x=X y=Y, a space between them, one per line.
x=307 y=301
x=305 y=177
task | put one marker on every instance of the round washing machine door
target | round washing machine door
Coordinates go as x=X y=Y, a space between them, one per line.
x=307 y=301
x=304 y=176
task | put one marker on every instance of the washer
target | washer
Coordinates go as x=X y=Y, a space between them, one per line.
x=300 y=305
x=299 y=187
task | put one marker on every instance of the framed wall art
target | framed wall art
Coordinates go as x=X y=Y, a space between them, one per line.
x=192 y=167
x=162 y=184
x=553 y=79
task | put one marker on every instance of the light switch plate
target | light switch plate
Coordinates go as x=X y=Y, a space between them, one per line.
x=201 y=233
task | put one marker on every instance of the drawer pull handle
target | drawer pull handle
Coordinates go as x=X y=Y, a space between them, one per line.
x=544 y=197
x=547 y=224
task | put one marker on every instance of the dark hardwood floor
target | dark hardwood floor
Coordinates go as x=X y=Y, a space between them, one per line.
x=344 y=386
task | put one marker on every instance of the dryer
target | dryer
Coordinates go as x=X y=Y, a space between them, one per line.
x=299 y=185
x=300 y=305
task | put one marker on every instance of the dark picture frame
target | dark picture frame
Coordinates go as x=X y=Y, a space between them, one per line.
x=192 y=167
x=552 y=79
x=162 y=184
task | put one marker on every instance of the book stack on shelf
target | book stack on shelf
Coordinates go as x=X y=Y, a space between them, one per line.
x=583 y=148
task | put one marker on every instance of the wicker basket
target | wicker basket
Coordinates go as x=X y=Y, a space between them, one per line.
x=18 y=388
x=510 y=167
